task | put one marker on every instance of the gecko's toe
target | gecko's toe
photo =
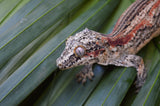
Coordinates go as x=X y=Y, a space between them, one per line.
x=80 y=77
x=90 y=76
x=139 y=83
x=141 y=77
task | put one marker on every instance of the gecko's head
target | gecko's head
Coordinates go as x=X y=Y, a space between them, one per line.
x=80 y=49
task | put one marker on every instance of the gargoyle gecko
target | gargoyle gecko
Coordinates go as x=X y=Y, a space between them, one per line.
x=133 y=30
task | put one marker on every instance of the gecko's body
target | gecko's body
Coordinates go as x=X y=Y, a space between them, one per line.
x=134 y=29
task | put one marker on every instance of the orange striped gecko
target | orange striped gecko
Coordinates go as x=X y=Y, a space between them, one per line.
x=134 y=29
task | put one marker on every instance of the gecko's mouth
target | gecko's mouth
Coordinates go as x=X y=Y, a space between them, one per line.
x=60 y=64
x=61 y=67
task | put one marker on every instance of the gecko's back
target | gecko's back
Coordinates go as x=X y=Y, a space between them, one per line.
x=136 y=26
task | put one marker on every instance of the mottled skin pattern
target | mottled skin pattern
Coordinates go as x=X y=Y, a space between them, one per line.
x=134 y=29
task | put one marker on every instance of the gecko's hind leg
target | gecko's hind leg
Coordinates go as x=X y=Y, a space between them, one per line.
x=133 y=61
x=85 y=73
x=137 y=62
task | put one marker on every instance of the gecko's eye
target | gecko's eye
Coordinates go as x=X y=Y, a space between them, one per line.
x=79 y=51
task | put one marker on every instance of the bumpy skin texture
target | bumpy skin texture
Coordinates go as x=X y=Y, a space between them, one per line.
x=134 y=29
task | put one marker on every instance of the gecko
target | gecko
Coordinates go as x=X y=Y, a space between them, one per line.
x=134 y=29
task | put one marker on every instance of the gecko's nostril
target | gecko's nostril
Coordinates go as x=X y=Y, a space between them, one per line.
x=60 y=66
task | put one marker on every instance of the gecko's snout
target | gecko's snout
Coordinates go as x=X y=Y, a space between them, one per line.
x=59 y=65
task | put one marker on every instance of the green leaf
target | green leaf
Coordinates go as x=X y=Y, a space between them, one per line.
x=112 y=88
x=32 y=21
x=25 y=71
x=32 y=37
x=149 y=92
x=9 y=7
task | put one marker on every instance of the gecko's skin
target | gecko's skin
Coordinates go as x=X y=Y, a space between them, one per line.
x=134 y=29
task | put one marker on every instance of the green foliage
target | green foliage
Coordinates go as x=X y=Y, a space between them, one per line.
x=32 y=36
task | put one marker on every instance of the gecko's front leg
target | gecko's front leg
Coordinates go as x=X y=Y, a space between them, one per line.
x=85 y=73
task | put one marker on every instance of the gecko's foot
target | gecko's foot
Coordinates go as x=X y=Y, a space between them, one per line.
x=140 y=80
x=85 y=73
x=139 y=83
